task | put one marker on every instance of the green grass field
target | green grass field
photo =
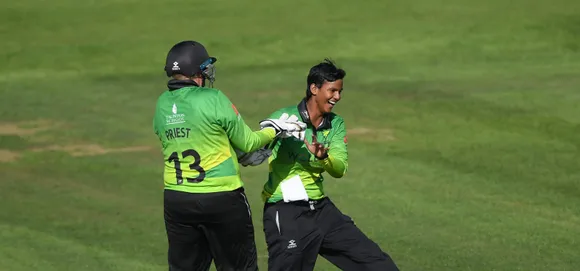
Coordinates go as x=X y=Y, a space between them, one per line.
x=464 y=130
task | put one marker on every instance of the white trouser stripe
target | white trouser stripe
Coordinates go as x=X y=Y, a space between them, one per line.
x=247 y=205
x=278 y=222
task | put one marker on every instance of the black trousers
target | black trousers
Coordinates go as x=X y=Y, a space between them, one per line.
x=297 y=232
x=210 y=226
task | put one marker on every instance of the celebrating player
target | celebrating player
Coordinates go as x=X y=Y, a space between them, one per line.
x=300 y=221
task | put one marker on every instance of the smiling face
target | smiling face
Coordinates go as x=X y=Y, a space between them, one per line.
x=327 y=96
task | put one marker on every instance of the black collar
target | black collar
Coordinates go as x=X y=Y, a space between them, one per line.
x=326 y=118
x=174 y=84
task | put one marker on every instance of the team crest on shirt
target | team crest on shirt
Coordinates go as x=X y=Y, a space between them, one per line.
x=175 y=118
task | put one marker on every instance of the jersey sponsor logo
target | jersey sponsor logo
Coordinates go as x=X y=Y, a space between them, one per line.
x=175 y=118
x=299 y=156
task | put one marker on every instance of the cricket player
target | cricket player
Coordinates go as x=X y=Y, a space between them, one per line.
x=300 y=221
x=207 y=215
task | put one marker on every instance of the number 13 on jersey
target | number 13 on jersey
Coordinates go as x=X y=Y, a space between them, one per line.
x=193 y=166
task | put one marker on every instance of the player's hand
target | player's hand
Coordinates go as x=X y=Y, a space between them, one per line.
x=285 y=126
x=316 y=148
x=253 y=158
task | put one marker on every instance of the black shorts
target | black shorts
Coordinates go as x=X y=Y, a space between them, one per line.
x=209 y=226
x=297 y=232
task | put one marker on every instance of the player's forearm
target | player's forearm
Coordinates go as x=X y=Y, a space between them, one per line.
x=257 y=139
x=334 y=166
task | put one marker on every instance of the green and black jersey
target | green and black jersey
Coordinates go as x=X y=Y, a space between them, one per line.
x=290 y=157
x=198 y=128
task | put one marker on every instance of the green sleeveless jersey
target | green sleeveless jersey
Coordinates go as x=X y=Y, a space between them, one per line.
x=198 y=128
x=290 y=157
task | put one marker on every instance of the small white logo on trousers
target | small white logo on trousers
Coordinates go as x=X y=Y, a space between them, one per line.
x=292 y=244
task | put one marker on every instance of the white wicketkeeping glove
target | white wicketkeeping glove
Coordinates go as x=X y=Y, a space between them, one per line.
x=253 y=158
x=285 y=126
x=296 y=134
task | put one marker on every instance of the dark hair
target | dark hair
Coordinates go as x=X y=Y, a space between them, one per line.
x=324 y=71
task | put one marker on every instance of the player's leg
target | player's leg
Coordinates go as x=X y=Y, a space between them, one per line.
x=292 y=237
x=188 y=247
x=347 y=247
x=230 y=231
